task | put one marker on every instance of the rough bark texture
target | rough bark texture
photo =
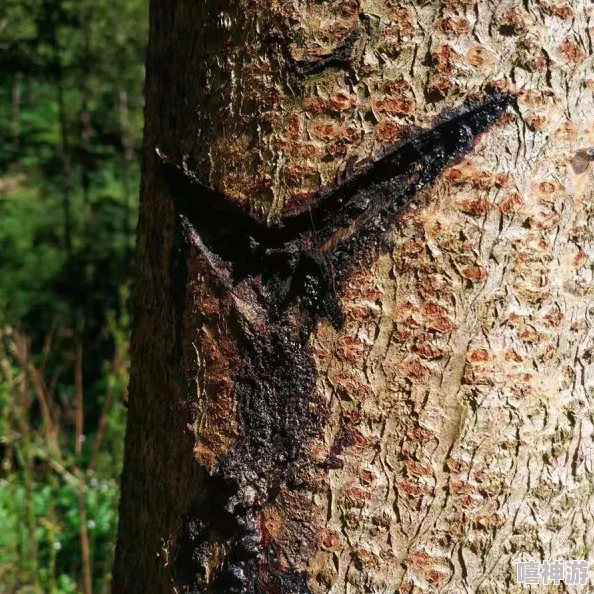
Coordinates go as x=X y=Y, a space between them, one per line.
x=401 y=404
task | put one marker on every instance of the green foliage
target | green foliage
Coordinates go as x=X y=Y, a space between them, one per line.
x=29 y=274
x=71 y=99
x=43 y=481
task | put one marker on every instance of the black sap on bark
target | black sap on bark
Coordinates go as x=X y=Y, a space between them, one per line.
x=283 y=278
x=338 y=56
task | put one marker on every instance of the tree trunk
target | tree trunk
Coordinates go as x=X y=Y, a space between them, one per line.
x=362 y=354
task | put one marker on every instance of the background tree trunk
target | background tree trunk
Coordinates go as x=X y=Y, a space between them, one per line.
x=444 y=429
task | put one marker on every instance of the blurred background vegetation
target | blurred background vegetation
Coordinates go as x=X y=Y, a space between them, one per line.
x=71 y=82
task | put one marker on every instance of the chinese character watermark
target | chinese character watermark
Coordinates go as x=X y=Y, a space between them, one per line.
x=528 y=572
x=576 y=573
x=573 y=573
x=552 y=572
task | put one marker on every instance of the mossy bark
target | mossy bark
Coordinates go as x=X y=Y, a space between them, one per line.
x=443 y=429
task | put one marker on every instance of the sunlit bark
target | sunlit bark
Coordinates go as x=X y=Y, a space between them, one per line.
x=444 y=429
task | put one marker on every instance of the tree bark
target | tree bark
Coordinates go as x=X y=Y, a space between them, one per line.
x=362 y=353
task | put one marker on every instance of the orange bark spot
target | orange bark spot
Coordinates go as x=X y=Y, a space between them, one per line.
x=433 y=310
x=400 y=106
x=418 y=469
x=362 y=441
x=460 y=487
x=479 y=56
x=404 y=17
x=557 y=9
x=544 y=220
x=577 y=234
x=513 y=356
x=547 y=188
x=573 y=51
x=467 y=174
x=417 y=371
x=421 y=434
x=402 y=336
x=330 y=540
x=580 y=258
x=297 y=173
x=294 y=126
x=412 y=247
x=478 y=376
x=341 y=102
x=480 y=356
x=429 y=351
x=356 y=495
x=297 y=198
x=436 y=577
x=326 y=130
x=441 y=324
x=367 y=476
x=489 y=522
x=454 y=25
x=300 y=150
x=366 y=558
x=445 y=58
x=554 y=319
x=411 y=488
x=474 y=206
x=389 y=131
x=537 y=122
x=354 y=417
x=536 y=99
x=351 y=349
x=468 y=502
x=336 y=149
x=476 y=274
x=457 y=465
x=421 y=560
x=351 y=388
x=512 y=203
x=514 y=21
x=445 y=63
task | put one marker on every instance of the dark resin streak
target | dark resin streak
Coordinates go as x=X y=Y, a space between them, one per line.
x=288 y=275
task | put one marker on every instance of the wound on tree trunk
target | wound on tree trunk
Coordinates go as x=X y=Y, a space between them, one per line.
x=362 y=267
x=281 y=280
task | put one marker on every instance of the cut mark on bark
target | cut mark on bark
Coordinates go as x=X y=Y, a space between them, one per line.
x=283 y=278
x=312 y=62
x=304 y=257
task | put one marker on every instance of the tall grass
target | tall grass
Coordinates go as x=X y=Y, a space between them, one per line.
x=59 y=478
